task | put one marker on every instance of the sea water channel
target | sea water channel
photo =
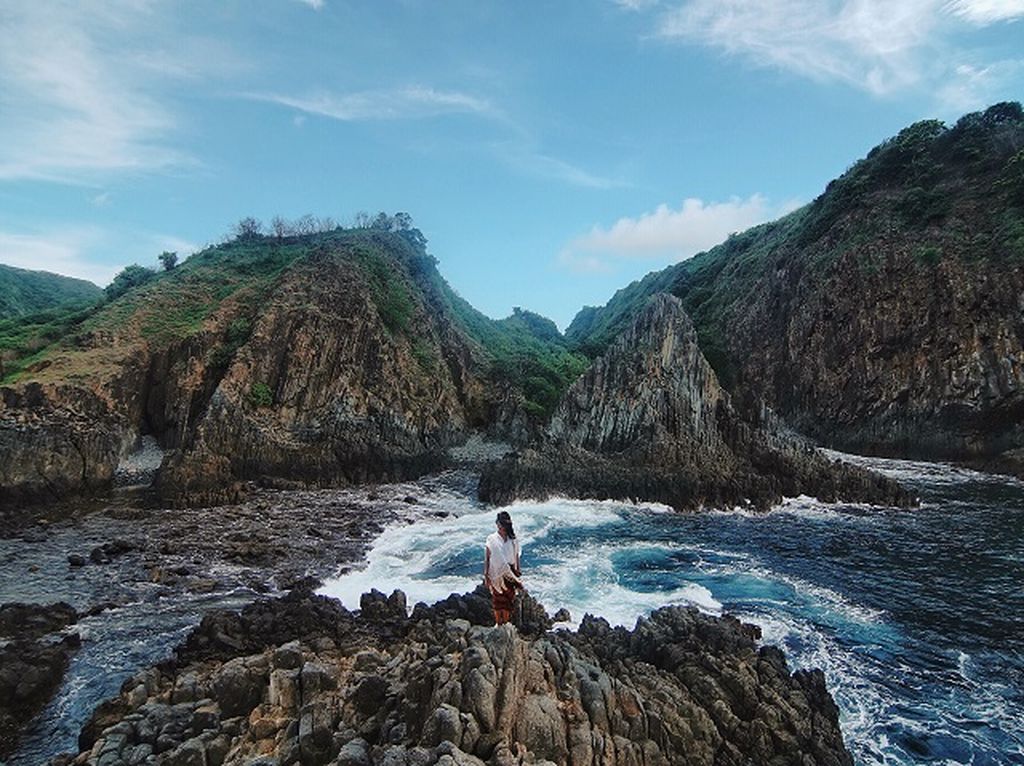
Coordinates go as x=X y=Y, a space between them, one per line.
x=916 y=617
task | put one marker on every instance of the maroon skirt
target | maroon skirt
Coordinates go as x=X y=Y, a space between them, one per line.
x=502 y=600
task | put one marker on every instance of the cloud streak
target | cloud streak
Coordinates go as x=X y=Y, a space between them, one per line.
x=74 y=108
x=411 y=102
x=878 y=46
x=666 y=233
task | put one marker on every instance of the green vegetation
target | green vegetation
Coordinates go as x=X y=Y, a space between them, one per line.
x=24 y=340
x=929 y=255
x=127 y=279
x=260 y=395
x=962 y=185
x=525 y=352
x=24 y=293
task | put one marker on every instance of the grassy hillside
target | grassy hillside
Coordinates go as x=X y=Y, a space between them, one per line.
x=943 y=192
x=24 y=292
x=229 y=282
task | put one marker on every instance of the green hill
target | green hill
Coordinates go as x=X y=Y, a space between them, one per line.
x=884 y=315
x=314 y=359
x=24 y=292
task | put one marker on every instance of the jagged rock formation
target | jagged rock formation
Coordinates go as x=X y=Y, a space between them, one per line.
x=888 y=315
x=317 y=360
x=650 y=421
x=327 y=687
x=33 y=658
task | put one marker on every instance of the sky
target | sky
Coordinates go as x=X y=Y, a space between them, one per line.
x=551 y=152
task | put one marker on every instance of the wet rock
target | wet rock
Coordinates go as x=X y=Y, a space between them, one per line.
x=32 y=664
x=26 y=621
x=562 y=615
x=680 y=687
x=76 y=560
x=238 y=686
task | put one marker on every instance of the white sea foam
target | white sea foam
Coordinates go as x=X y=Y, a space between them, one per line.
x=941 y=474
x=582 y=579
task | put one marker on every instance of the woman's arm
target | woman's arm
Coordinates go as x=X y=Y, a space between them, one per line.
x=487 y=568
x=518 y=572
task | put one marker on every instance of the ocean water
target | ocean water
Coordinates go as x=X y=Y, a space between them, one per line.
x=916 y=617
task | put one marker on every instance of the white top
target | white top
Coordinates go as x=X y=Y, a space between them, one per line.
x=504 y=554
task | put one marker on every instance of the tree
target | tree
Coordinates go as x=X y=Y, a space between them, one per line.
x=280 y=227
x=168 y=260
x=129 y=277
x=248 y=228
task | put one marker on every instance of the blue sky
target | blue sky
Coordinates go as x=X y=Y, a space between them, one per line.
x=551 y=152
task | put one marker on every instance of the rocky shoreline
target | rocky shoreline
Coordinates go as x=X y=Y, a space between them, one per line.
x=105 y=560
x=301 y=680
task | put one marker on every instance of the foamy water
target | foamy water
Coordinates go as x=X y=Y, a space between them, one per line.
x=911 y=614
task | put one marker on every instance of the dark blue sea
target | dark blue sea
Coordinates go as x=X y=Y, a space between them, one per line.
x=916 y=617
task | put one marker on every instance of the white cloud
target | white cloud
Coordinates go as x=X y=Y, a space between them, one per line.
x=635 y=5
x=985 y=12
x=59 y=253
x=73 y=104
x=410 y=102
x=522 y=157
x=87 y=252
x=316 y=5
x=879 y=46
x=871 y=44
x=973 y=87
x=668 y=234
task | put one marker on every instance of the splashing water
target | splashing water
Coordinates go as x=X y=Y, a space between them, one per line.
x=914 y=616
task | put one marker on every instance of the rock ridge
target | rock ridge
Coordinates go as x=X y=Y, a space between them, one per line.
x=325 y=686
x=650 y=421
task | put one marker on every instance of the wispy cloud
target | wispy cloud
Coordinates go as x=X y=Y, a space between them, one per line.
x=59 y=253
x=410 y=102
x=316 y=5
x=71 y=106
x=87 y=252
x=879 y=46
x=985 y=12
x=668 y=234
x=522 y=157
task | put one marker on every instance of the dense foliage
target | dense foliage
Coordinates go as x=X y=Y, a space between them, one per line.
x=929 y=193
x=25 y=292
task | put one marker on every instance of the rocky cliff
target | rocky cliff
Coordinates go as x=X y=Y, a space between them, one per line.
x=302 y=680
x=888 y=315
x=314 y=360
x=649 y=420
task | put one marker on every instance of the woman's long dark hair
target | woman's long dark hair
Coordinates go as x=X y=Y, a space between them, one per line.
x=506 y=523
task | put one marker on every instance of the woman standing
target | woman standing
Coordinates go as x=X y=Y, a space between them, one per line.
x=501 y=568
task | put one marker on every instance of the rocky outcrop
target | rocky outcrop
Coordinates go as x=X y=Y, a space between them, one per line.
x=57 y=440
x=33 y=659
x=885 y=317
x=650 y=421
x=329 y=687
x=324 y=392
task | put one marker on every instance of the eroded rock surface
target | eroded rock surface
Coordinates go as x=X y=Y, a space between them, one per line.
x=650 y=421
x=330 y=687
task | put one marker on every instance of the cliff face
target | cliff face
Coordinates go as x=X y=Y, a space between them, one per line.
x=886 y=316
x=650 y=421
x=313 y=360
x=324 y=391
x=304 y=681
